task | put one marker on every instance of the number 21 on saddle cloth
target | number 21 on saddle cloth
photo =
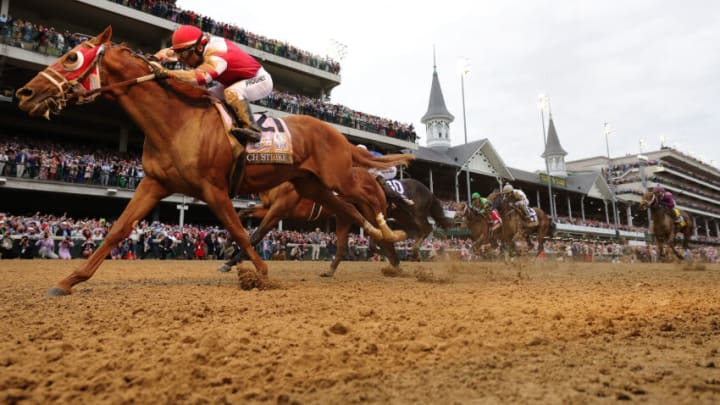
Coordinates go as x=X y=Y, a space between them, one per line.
x=275 y=145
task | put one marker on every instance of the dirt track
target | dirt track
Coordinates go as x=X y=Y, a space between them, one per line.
x=181 y=332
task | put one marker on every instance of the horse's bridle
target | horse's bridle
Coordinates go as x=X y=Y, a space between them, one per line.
x=69 y=89
x=650 y=202
x=75 y=89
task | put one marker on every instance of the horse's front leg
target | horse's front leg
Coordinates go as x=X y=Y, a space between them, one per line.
x=221 y=205
x=269 y=220
x=148 y=193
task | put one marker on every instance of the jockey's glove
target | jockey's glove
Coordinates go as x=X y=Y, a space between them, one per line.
x=159 y=71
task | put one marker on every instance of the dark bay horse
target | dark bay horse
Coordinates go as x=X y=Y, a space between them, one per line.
x=515 y=230
x=188 y=150
x=414 y=219
x=284 y=201
x=664 y=226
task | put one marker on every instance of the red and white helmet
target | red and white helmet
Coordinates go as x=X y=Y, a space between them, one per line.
x=186 y=36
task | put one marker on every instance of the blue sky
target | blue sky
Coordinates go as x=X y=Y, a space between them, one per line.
x=648 y=68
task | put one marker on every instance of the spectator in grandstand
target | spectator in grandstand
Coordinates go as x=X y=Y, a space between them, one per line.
x=64 y=229
x=46 y=247
x=7 y=249
x=25 y=248
x=241 y=77
x=21 y=159
x=666 y=200
x=88 y=246
x=3 y=160
x=518 y=199
x=64 y=248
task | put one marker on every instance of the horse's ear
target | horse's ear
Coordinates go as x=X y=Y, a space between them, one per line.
x=103 y=37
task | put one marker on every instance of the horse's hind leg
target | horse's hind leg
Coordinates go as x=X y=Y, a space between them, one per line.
x=146 y=196
x=220 y=204
x=310 y=187
x=342 y=229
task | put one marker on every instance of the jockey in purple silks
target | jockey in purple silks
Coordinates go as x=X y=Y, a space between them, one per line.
x=666 y=200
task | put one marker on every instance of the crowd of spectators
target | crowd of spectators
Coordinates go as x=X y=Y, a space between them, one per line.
x=167 y=9
x=338 y=114
x=37 y=37
x=62 y=237
x=43 y=159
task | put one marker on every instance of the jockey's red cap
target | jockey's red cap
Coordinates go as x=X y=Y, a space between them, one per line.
x=185 y=36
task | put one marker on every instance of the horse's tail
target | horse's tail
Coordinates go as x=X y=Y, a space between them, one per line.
x=438 y=214
x=361 y=157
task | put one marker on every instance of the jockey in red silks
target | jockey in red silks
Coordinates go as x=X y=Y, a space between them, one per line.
x=666 y=200
x=241 y=78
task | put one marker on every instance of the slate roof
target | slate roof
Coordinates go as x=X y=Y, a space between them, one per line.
x=436 y=105
x=552 y=147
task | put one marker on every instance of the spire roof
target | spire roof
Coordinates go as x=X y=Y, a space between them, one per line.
x=436 y=106
x=552 y=146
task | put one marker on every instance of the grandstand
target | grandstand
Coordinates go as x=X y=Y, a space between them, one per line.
x=582 y=193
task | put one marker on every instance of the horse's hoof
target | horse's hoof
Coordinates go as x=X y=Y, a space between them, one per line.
x=327 y=274
x=224 y=268
x=57 y=292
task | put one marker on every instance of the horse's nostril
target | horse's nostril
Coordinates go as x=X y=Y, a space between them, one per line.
x=24 y=92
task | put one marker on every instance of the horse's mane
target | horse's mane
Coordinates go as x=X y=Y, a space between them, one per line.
x=194 y=95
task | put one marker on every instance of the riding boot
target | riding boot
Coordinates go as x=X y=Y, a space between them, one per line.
x=250 y=129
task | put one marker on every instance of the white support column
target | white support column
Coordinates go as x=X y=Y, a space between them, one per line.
x=607 y=214
x=707 y=228
x=432 y=188
x=182 y=208
x=628 y=212
x=569 y=207
x=582 y=207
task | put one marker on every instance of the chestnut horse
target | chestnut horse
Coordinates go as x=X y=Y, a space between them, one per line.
x=480 y=232
x=187 y=148
x=284 y=201
x=664 y=226
x=515 y=231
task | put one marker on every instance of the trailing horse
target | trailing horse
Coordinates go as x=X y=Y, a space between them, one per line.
x=284 y=201
x=480 y=231
x=515 y=231
x=664 y=226
x=188 y=148
x=414 y=219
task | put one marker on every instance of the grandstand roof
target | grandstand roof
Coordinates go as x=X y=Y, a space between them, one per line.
x=461 y=155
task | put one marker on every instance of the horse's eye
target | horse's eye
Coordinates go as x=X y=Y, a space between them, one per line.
x=73 y=61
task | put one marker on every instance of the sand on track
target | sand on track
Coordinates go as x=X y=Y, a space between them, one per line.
x=181 y=332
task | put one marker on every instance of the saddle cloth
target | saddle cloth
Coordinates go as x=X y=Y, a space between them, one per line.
x=275 y=145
